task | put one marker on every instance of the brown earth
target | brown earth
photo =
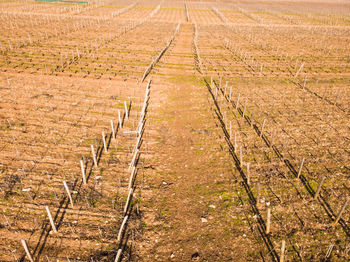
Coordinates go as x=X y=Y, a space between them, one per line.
x=207 y=174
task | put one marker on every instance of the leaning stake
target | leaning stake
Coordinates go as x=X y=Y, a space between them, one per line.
x=26 y=249
x=68 y=193
x=83 y=171
x=301 y=166
x=341 y=211
x=93 y=155
x=51 y=219
x=104 y=141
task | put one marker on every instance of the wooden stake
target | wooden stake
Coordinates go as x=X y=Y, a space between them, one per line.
x=133 y=160
x=113 y=130
x=83 y=171
x=68 y=193
x=341 y=211
x=122 y=228
x=119 y=254
x=329 y=251
x=300 y=68
x=300 y=167
x=26 y=249
x=319 y=187
x=131 y=179
x=120 y=120
x=268 y=221
x=237 y=103
x=126 y=110
x=283 y=248
x=126 y=207
x=336 y=97
x=230 y=92
x=51 y=219
x=104 y=141
x=324 y=93
x=262 y=128
x=93 y=155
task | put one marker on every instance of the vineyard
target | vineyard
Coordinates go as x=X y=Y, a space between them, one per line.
x=174 y=130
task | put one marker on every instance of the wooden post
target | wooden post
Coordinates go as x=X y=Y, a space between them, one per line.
x=341 y=211
x=300 y=167
x=68 y=193
x=127 y=203
x=251 y=119
x=131 y=179
x=120 y=120
x=104 y=141
x=237 y=103
x=336 y=97
x=225 y=89
x=300 y=68
x=283 y=248
x=268 y=221
x=93 y=155
x=51 y=219
x=133 y=160
x=83 y=171
x=230 y=92
x=262 y=128
x=126 y=110
x=319 y=187
x=122 y=228
x=119 y=254
x=26 y=249
x=329 y=251
x=113 y=130
x=324 y=93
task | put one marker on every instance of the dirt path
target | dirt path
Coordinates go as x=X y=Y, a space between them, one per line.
x=187 y=186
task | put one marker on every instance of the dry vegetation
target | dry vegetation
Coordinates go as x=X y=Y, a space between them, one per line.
x=157 y=131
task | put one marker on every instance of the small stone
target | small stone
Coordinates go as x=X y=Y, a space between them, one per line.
x=204 y=220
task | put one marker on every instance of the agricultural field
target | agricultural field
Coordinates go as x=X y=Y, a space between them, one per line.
x=174 y=130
